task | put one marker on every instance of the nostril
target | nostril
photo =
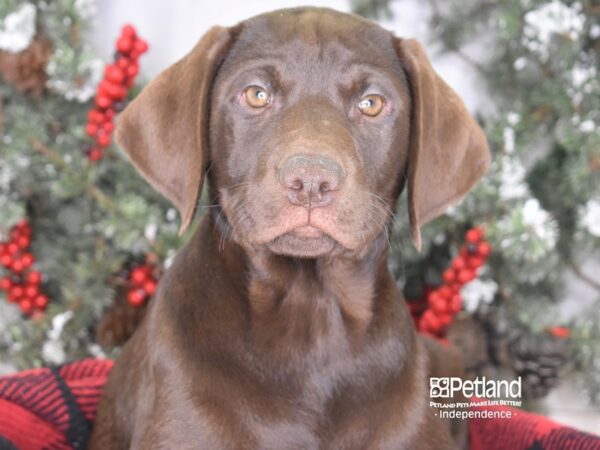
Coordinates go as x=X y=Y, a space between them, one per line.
x=325 y=187
x=297 y=184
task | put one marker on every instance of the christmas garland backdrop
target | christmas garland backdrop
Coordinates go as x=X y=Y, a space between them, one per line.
x=540 y=202
x=84 y=238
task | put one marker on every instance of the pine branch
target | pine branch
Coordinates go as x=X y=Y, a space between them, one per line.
x=583 y=276
x=42 y=148
x=92 y=190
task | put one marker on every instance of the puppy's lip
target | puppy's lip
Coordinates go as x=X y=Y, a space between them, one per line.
x=290 y=244
x=307 y=232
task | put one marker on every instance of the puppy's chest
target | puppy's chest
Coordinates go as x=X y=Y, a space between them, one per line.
x=318 y=412
x=318 y=391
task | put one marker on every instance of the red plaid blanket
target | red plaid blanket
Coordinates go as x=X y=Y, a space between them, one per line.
x=55 y=408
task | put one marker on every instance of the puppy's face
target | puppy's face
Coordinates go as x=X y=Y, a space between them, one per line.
x=308 y=121
x=309 y=133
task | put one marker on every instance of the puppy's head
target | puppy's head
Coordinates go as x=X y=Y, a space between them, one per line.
x=310 y=122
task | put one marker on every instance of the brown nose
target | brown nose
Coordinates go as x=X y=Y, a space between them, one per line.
x=310 y=180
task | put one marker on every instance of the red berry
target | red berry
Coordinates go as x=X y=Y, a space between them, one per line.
x=26 y=306
x=456 y=287
x=429 y=322
x=456 y=303
x=125 y=44
x=474 y=235
x=104 y=87
x=114 y=74
x=140 y=46
x=5 y=260
x=132 y=70
x=31 y=290
x=95 y=154
x=41 y=301
x=114 y=91
x=103 y=101
x=475 y=262
x=439 y=305
x=5 y=283
x=17 y=266
x=484 y=249
x=150 y=287
x=432 y=296
x=128 y=31
x=134 y=54
x=123 y=63
x=103 y=140
x=34 y=277
x=91 y=129
x=560 y=332
x=136 y=297
x=2 y=248
x=15 y=293
x=109 y=115
x=23 y=241
x=27 y=260
x=449 y=275
x=464 y=276
x=95 y=116
x=108 y=127
x=139 y=275
x=445 y=292
x=12 y=248
x=459 y=263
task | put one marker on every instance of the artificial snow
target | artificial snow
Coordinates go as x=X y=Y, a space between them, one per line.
x=18 y=29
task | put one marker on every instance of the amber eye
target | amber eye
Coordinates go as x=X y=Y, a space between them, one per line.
x=257 y=97
x=371 y=105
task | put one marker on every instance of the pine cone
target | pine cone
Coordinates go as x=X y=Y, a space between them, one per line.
x=470 y=337
x=26 y=70
x=539 y=361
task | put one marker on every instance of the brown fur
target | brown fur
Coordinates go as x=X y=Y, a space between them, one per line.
x=259 y=338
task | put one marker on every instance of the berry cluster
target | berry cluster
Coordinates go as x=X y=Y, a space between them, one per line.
x=142 y=283
x=111 y=95
x=444 y=302
x=22 y=285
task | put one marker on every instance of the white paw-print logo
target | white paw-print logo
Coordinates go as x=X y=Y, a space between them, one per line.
x=439 y=387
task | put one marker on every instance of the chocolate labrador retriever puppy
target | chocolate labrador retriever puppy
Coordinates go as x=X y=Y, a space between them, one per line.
x=279 y=326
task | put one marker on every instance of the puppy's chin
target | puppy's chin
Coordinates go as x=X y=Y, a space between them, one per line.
x=298 y=246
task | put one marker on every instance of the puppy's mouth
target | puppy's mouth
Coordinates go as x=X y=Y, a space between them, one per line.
x=344 y=228
x=304 y=242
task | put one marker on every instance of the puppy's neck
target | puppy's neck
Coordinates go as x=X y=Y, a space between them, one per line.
x=316 y=309
x=277 y=282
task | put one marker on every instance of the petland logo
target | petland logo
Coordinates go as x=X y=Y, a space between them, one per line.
x=447 y=387
x=475 y=399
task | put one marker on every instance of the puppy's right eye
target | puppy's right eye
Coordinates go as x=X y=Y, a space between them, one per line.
x=257 y=97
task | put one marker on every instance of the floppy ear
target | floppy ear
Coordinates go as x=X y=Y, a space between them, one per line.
x=164 y=130
x=448 y=151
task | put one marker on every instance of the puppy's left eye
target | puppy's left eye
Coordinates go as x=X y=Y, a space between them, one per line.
x=257 y=97
x=371 y=105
